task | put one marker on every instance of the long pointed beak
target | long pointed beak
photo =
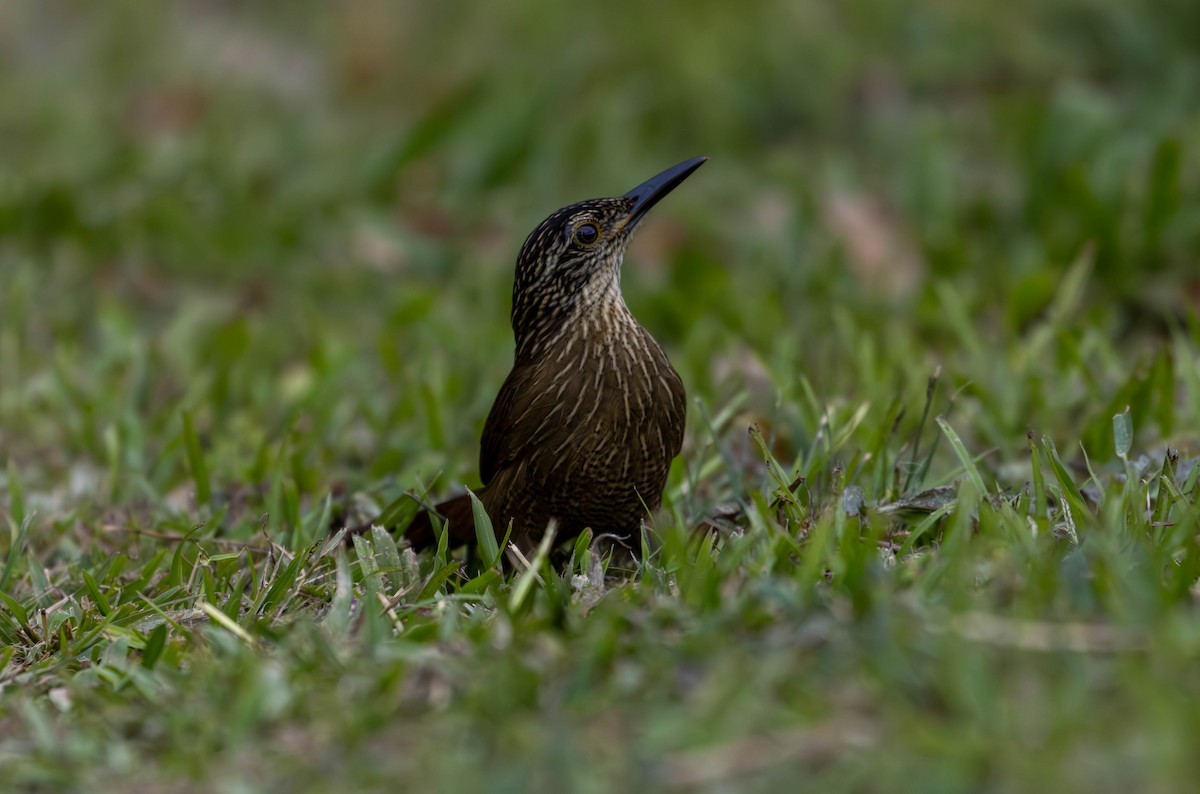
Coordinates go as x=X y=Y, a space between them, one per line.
x=647 y=194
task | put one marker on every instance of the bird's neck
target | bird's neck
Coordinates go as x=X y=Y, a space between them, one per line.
x=591 y=317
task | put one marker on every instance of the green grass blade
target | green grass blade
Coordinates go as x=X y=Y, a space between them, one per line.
x=485 y=536
x=97 y=596
x=15 y=551
x=964 y=458
x=196 y=461
x=16 y=496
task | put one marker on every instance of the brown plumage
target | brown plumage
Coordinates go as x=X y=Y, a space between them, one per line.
x=586 y=424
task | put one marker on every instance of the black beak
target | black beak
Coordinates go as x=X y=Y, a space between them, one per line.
x=647 y=194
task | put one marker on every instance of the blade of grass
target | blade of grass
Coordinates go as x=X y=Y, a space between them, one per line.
x=15 y=551
x=963 y=456
x=196 y=462
x=529 y=575
x=485 y=536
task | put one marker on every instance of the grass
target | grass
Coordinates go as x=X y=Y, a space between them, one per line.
x=934 y=300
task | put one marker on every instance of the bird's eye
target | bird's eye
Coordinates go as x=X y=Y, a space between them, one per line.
x=586 y=234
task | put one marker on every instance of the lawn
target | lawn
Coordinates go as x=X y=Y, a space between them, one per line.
x=935 y=299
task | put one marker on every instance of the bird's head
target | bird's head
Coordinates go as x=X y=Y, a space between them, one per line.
x=573 y=258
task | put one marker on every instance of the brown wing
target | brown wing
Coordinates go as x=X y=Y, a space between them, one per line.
x=669 y=396
x=676 y=399
x=496 y=447
x=523 y=417
x=491 y=443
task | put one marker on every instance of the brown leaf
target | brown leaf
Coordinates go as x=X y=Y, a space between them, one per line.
x=878 y=250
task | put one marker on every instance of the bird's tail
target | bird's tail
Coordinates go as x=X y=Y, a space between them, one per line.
x=457 y=519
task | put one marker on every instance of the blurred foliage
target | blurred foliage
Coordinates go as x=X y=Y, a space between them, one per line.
x=235 y=170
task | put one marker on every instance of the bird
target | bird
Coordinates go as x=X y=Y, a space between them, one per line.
x=585 y=426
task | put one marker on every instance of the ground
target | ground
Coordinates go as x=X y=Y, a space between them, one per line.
x=935 y=526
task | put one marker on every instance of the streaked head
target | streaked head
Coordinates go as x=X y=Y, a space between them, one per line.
x=575 y=254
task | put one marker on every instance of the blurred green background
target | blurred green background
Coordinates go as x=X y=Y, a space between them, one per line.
x=268 y=194
x=295 y=223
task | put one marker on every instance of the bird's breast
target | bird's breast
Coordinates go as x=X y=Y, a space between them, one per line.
x=618 y=404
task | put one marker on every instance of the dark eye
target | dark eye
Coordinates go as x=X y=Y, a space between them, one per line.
x=586 y=233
